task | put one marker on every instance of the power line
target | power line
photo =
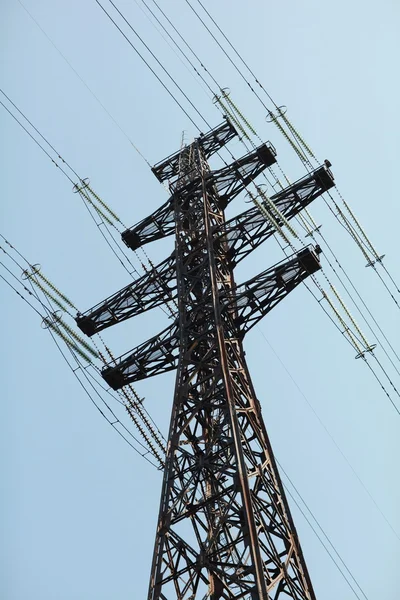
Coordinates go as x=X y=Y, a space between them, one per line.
x=327 y=431
x=236 y=52
x=320 y=539
x=85 y=84
x=36 y=142
x=227 y=55
x=38 y=132
x=74 y=370
x=149 y=66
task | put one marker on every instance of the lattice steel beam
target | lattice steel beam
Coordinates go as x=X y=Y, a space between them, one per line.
x=154 y=288
x=250 y=229
x=229 y=181
x=224 y=529
x=243 y=233
x=251 y=300
x=213 y=141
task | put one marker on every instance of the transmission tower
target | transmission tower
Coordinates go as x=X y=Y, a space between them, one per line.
x=224 y=529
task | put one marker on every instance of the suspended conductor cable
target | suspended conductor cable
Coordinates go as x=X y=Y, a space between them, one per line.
x=350 y=339
x=116 y=421
x=38 y=132
x=361 y=300
x=185 y=42
x=131 y=388
x=87 y=392
x=324 y=534
x=85 y=84
x=327 y=431
x=149 y=67
x=73 y=349
x=298 y=138
x=175 y=44
x=38 y=143
x=18 y=293
x=236 y=52
x=226 y=54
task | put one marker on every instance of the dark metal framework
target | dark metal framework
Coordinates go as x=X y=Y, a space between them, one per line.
x=224 y=529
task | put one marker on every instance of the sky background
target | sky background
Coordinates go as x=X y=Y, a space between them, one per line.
x=78 y=506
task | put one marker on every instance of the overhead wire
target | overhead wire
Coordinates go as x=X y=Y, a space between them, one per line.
x=298 y=138
x=55 y=323
x=311 y=407
x=85 y=84
x=78 y=176
x=324 y=534
x=119 y=11
x=135 y=420
x=351 y=338
x=36 y=142
x=112 y=3
x=105 y=223
x=149 y=66
x=144 y=455
x=175 y=44
x=317 y=229
x=225 y=108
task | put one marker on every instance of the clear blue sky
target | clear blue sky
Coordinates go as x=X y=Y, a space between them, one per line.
x=78 y=507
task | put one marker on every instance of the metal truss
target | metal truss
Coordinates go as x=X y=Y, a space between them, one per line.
x=154 y=288
x=251 y=300
x=243 y=234
x=224 y=529
x=213 y=141
x=250 y=229
x=229 y=181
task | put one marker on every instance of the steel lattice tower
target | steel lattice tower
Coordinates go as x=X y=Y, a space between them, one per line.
x=224 y=529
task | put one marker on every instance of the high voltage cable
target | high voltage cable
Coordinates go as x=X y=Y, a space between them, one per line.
x=86 y=391
x=36 y=142
x=185 y=42
x=117 y=421
x=142 y=413
x=175 y=44
x=327 y=431
x=71 y=181
x=226 y=54
x=54 y=324
x=229 y=113
x=291 y=128
x=114 y=5
x=149 y=66
x=156 y=59
x=200 y=3
x=324 y=534
x=361 y=299
x=160 y=64
x=100 y=214
x=236 y=52
x=38 y=132
x=85 y=84
x=348 y=339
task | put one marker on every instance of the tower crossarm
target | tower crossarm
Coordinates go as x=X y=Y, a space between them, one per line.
x=232 y=179
x=154 y=227
x=228 y=182
x=256 y=297
x=154 y=288
x=248 y=230
x=250 y=302
x=211 y=142
x=157 y=355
